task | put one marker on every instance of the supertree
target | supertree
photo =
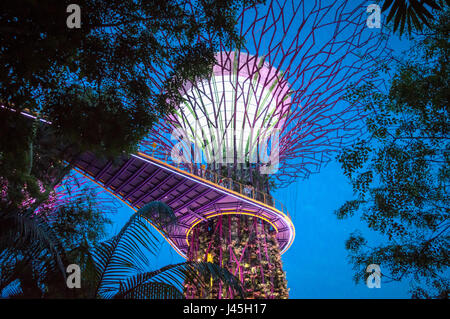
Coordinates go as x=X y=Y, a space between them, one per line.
x=282 y=90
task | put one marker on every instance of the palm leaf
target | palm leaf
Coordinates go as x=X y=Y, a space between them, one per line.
x=393 y=10
x=7 y=274
x=13 y=290
x=421 y=12
x=123 y=255
x=30 y=232
x=410 y=13
x=433 y=4
x=386 y=4
x=400 y=16
x=176 y=275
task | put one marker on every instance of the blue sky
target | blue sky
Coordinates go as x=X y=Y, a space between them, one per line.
x=317 y=264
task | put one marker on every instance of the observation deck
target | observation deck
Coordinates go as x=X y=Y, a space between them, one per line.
x=194 y=198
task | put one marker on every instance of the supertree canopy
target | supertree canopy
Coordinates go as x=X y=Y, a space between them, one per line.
x=234 y=111
x=291 y=74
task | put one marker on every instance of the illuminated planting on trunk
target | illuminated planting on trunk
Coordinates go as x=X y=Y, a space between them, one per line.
x=248 y=248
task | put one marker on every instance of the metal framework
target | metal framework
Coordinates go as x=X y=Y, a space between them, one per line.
x=193 y=198
x=291 y=74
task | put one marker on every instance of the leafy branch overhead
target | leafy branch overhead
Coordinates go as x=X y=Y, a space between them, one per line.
x=411 y=13
x=101 y=85
x=400 y=170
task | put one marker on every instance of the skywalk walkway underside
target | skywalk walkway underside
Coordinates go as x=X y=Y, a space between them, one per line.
x=140 y=179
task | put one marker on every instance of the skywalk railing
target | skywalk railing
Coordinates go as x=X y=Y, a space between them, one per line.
x=223 y=181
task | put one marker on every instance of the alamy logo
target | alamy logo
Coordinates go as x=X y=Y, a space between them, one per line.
x=74 y=278
x=74 y=19
x=374 y=279
x=374 y=19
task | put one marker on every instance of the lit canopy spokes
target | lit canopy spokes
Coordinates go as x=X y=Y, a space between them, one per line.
x=291 y=74
x=235 y=115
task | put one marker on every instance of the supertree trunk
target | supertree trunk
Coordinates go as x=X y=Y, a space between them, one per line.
x=247 y=247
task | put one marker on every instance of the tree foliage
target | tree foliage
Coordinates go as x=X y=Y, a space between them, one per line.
x=114 y=268
x=36 y=247
x=400 y=171
x=100 y=85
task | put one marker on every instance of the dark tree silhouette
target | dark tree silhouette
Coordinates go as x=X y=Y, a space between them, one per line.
x=400 y=171
x=96 y=84
x=413 y=14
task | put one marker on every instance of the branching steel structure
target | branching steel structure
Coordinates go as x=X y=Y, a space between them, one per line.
x=312 y=50
x=290 y=79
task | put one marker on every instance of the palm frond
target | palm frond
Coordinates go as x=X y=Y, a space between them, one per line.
x=7 y=274
x=31 y=232
x=13 y=290
x=410 y=13
x=177 y=275
x=123 y=255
